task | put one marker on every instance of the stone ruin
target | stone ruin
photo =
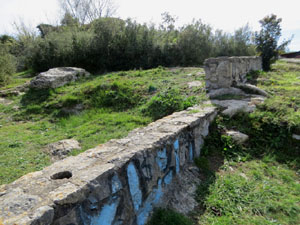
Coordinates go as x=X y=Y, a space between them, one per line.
x=226 y=72
x=121 y=181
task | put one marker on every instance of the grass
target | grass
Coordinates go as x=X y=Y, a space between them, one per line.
x=112 y=105
x=257 y=182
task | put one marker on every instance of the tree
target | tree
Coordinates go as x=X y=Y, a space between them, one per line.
x=88 y=10
x=267 y=40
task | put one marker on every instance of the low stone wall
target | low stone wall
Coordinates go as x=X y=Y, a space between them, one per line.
x=225 y=72
x=119 y=182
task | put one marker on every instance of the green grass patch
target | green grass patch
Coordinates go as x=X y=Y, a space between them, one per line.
x=111 y=105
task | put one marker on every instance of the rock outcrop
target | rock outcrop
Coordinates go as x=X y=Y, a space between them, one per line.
x=57 y=77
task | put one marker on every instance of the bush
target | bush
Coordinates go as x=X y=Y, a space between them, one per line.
x=118 y=96
x=164 y=104
x=168 y=217
x=7 y=65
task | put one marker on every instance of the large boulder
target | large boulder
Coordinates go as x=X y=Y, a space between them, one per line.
x=57 y=77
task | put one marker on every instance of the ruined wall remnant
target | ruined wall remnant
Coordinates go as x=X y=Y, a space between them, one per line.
x=119 y=182
x=226 y=72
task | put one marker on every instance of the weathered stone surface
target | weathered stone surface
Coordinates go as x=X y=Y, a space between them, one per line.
x=226 y=72
x=119 y=182
x=237 y=136
x=61 y=149
x=225 y=91
x=181 y=195
x=252 y=89
x=57 y=77
x=232 y=107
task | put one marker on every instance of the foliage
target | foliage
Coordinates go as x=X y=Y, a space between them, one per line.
x=168 y=217
x=267 y=40
x=167 y=102
x=7 y=65
x=110 y=107
x=110 y=44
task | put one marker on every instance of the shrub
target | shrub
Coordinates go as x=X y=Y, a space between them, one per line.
x=168 y=217
x=7 y=65
x=117 y=95
x=164 y=104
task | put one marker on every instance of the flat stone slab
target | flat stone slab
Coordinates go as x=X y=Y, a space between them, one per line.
x=57 y=77
x=232 y=107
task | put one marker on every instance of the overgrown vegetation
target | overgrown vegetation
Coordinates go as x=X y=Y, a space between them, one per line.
x=257 y=182
x=92 y=111
x=7 y=61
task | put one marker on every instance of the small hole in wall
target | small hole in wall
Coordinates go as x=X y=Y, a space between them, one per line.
x=61 y=175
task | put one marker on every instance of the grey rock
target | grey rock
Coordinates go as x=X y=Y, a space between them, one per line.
x=232 y=107
x=57 y=77
x=194 y=84
x=225 y=91
x=252 y=89
x=61 y=149
x=237 y=136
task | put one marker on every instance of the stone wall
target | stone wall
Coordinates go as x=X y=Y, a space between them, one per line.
x=225 y=72
x=119 y=182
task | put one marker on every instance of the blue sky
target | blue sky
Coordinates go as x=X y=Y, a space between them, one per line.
x=220 y=14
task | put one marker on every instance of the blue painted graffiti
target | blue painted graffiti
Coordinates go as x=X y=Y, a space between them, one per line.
x=176 y=148
x=134 y=186
x=147 y=208
x=116 y=184
x=191 y=153
x=107 y=214
x=169 y=177
x=176 y=145
x=162 y=159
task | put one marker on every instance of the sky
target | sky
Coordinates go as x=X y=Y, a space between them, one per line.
x=227 y=15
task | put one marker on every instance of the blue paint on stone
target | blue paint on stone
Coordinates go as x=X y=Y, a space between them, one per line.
x=169 y=177
x=177 y=160
x=176 y=145
x=116 y=184
x=191 y=153
x=149 y=204
x=162 y=159
x=134 y=186
x=107 y=214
